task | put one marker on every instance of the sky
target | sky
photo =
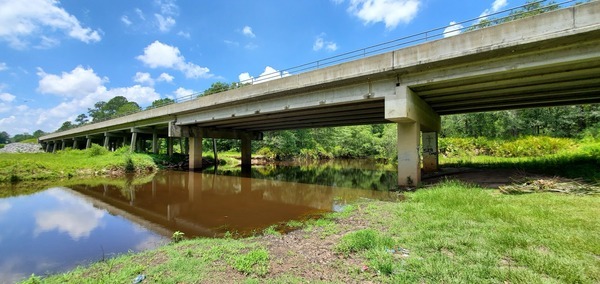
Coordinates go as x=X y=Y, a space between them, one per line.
x=58 y=58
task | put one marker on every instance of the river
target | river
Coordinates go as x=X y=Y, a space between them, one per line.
x=53 y=228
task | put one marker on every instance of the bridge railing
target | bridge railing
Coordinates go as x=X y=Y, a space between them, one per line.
x=491 y=19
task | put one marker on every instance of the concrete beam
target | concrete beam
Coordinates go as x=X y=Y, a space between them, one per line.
x=189 y=131
x=406 y=107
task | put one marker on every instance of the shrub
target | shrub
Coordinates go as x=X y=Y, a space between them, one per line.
x=363 y=240
x=532 y=146
x=96 y=150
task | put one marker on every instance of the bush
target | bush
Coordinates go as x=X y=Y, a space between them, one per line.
x=363 y=240
x=96 y=150
x=532 y=146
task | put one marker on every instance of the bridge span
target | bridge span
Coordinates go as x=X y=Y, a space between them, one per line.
x=545 y=60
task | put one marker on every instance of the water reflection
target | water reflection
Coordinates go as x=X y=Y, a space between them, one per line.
x=59 y=228
x=55 y=230
x=203 y=204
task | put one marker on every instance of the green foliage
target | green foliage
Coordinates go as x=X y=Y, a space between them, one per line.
x=177 y=236
x=2 y=146
x=254 y=262
x=216 y=87
x=530 y=146
x=33 y=279
x=96 y=150
x=4 y=137
x=161 y=102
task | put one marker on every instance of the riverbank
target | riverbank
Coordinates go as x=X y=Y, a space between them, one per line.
x=95 y=161
x=451 y=232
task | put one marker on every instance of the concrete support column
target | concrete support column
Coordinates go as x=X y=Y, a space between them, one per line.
x=106 y=141
x=48 y=147
x=75 y=144
x=64 y=144
x=125 y=140
x=133 y=141
x=88 y=143
x=195 y=152
x=54 y=146
x=170 y=146
x=430 y=151
x=246 y=151
x=409 y=161
x=155 y=143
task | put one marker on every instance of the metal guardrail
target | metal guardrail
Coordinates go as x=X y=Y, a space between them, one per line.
x=422 y=37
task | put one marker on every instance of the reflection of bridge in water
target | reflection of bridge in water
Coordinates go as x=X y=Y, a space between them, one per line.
x=200 y=204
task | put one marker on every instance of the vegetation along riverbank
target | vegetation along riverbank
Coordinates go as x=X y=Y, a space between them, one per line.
x=95 y=161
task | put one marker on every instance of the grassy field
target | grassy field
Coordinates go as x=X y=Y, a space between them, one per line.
x=95 y=161
x=450 y=233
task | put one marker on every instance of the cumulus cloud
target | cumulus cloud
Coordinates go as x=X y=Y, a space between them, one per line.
x=453 y=29
x=143 y=78
x=80 y=89
x=165 y=77
x=247 y=31
x=184 y=34
x=3 y=66
x=160 y=55
x=390 y=12
x=183 y=92
x=24 y=21
x=321 y=43
x=79 y=82
x=268 y=74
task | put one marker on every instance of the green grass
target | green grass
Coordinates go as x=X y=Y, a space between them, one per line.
x=95 y=161
x=463 y=234
x=450 y=233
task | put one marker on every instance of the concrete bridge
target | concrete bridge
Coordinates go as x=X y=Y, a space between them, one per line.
x=545 y=60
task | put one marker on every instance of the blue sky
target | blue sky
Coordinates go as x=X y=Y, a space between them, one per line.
x=57 y=58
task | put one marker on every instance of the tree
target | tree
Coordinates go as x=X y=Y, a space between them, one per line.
x=116 y=106
x=21 y=137
x=531 y=8
x=161 y=102
x=4 y=137
x=38 y=133
x=216 y=87
x=81 y=119
x=66 y=126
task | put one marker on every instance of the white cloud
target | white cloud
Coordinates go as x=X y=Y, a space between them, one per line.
x=453 y=29
x=143 y=78
x=126 y=20
x=247 y=31
x=4 y=207
x=391 y=12
x=496 y=6
x=77 y=83
x=321 y=43
x=231 y=43
x=3 y=66
x=81 y=88
x=158 y=54
x=269 y=74
x=6 y=97
x=23 y=21
x=165 y=77
x=182 y=92
x=165 y=24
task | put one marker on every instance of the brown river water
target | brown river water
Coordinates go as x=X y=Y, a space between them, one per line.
x=57 y=228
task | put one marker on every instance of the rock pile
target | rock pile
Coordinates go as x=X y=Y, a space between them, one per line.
x=21 y=148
